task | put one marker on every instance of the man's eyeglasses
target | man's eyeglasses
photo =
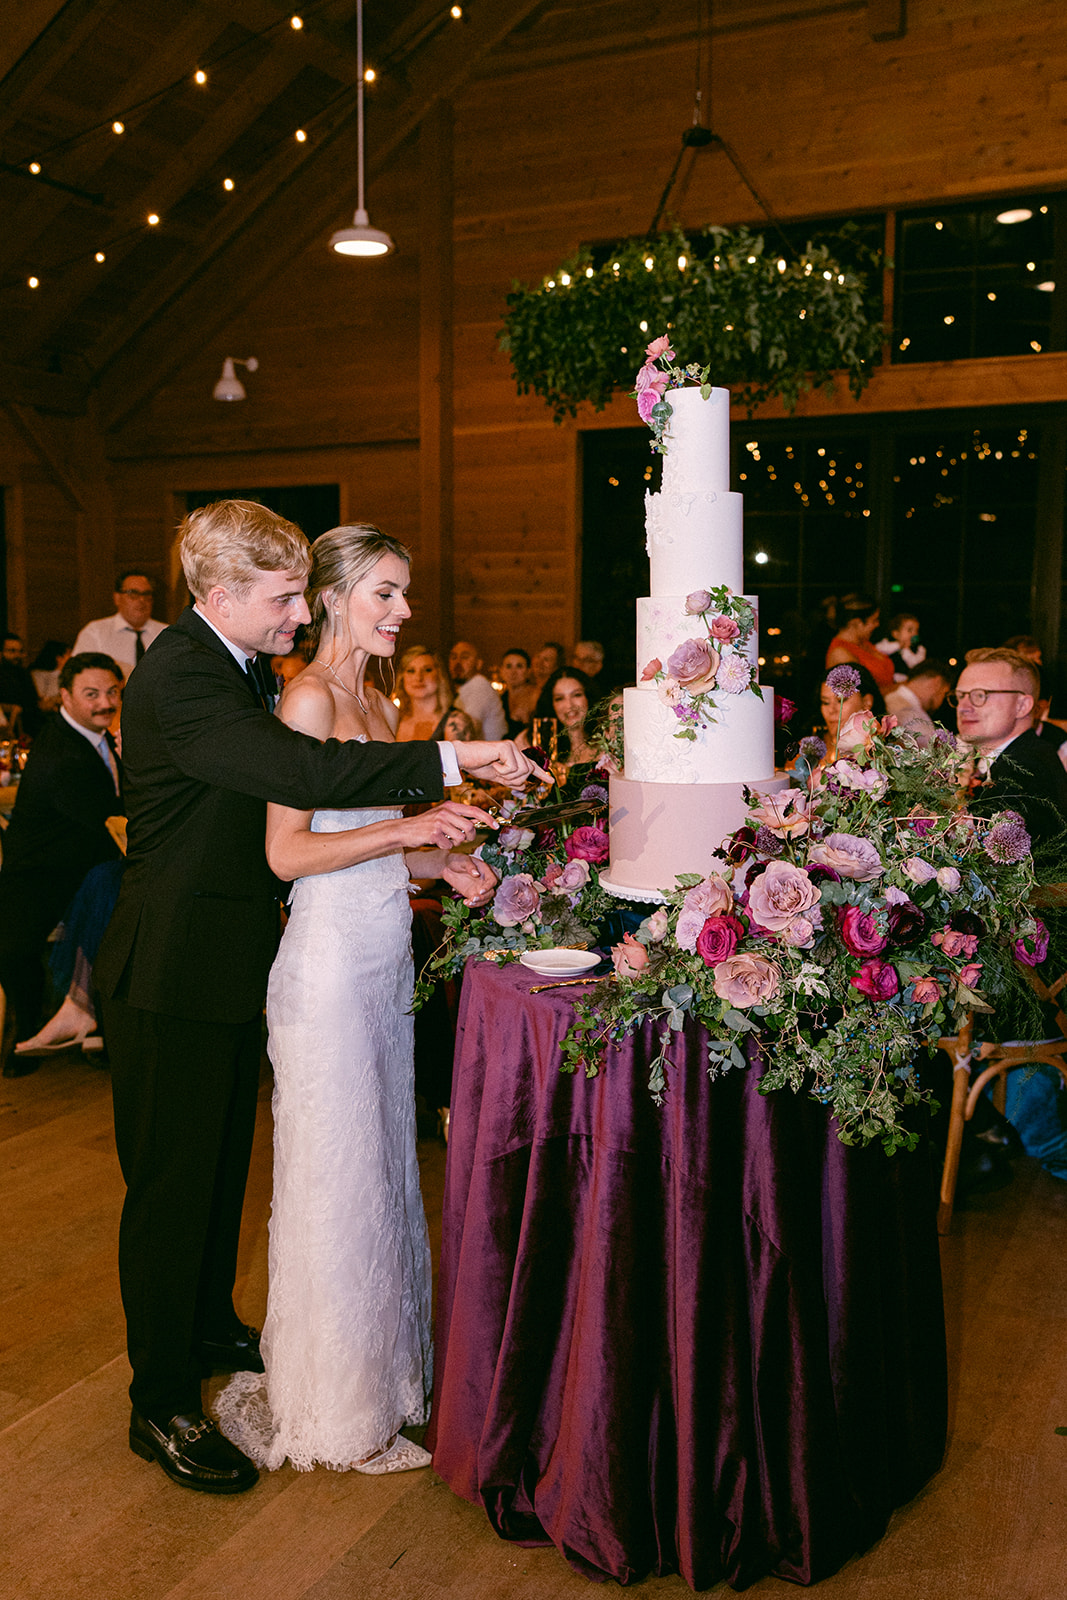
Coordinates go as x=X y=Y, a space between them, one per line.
x=138 y=594
x=977 y=697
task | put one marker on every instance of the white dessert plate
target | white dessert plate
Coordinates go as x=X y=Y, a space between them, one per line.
x=559 y=963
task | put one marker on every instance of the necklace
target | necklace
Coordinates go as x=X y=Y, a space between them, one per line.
x=345 y=687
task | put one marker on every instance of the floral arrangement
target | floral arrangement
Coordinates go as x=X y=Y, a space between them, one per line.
x=655 y=377
x=857 y=918
x=699 y=666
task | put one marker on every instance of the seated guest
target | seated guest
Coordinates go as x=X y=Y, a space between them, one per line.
x=520 y=695
x=995 y=697
x=588 y=657
x=45 y=672
x=545 y=661
x=858 y=616
x=836 y=712
x=474 y=692
x=424 y=695
x=911 y=702
x=58 y=830
x=567 y=696
x=17 y=689
x=900 y=646
x=125 y=636
x=71 y=964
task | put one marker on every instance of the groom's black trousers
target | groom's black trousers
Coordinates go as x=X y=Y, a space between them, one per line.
x=185 y=1110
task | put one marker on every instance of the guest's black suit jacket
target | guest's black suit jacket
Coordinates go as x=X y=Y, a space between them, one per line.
x=195 y=928
x=1026 y=777
x=57 y=831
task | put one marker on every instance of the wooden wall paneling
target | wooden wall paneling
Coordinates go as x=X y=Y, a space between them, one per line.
x=436 y=369
x=1046 y=591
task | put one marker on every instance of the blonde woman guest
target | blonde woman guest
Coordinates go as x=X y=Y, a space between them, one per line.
x=424 y=693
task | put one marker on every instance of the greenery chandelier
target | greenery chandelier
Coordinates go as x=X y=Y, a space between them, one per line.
x=765 y=324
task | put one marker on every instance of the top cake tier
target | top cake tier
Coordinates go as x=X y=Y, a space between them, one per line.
x=693 y=526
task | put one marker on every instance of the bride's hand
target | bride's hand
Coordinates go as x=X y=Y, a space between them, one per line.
x=497 y=762
x=446 y=825
x=471 y=877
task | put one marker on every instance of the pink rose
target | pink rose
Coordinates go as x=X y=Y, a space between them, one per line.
x=785 y=814
x=918 y=870
x=660 y=347
x=954 y=944
x=858 y=731
x=848 y=855
x=746 y=980
x=697 y=602
x=1032 y=948
x=779 y=894
x=719 y=938
x=859 y=932
x=654 y=666
x=630 y=957
x=658 y=923
x=587 y=844
x=713 y=897
x=970 y=974
x=517 y=898
x=650 y=378
x=948 y=879
x=724 y=629
x=694 y=664
x=876 y=979
x=926 y=991
x=647 y=401
x=574 y=877
x=800 y=934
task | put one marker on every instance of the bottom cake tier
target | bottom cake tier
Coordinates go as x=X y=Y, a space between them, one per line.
x=658 y=830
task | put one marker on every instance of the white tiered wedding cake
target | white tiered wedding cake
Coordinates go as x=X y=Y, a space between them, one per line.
x=698 y=727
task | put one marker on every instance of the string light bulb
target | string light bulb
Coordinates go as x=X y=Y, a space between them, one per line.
x=300 y=136
x=118 y=127
x=100 y=256
x=370 y=76
x=35 y=167
x=227 y=184
x=296 y=23
x=199 y=76
x=456 y=13
x=34 y=283
x=153 y=219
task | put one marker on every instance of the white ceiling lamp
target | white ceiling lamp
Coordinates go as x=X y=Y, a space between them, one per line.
x=229 y=386
x=360 y=239
x=1018 y=214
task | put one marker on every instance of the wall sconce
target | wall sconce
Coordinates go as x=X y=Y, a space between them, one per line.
x=229 y=386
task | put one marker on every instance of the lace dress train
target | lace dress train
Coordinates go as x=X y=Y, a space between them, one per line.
x=346 y=1341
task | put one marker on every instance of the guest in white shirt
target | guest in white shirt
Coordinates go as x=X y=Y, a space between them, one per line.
x=126 y=636
x=922 y=692
x=474 y=692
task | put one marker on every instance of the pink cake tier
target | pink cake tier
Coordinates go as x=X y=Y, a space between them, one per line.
x=661 y=829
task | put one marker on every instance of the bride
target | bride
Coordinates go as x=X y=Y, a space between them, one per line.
x=346 y=1342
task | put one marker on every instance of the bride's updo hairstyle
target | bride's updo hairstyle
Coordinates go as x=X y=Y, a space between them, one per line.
x=339 y=559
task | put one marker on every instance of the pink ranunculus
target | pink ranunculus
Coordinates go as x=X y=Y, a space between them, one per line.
x=712 y=897
x=660 y=347
x=735 y=673
x=658 y=923
x=517 y=898
x=587 y=844
x=779 y=894
x=697 y=603
x=859 y=932
x=800 y=933
x=849 y=855
x=746 y=980
x=858 y=731
x=948 y=879
x=877 y=979
x=926 y=991
x=694 y=664
x=724 y=629
x=651 y=668
x=970 y=974
x=630 y=957
x=1032 y=948
x=718 y=939
x=785 y=814
x=918 y=870
x=650 y=377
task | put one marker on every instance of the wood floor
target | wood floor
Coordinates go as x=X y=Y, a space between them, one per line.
x=81 y=1516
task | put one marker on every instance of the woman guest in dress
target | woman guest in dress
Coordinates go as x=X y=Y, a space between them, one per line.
x=567 y=696
x=835 y=712
x=424 y=692
x=858 y=618
x=520 y=695
x=346 y=1341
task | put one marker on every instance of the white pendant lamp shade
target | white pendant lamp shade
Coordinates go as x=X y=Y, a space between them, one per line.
x=361 y=239
x=229 y=386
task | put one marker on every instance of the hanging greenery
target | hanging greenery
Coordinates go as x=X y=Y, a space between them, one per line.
x=766 y=325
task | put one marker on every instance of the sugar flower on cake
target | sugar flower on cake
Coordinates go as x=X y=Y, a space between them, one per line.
x=734 y=675
x=694 y=665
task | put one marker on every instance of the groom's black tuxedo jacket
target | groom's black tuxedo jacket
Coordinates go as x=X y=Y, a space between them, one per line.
x=196 y=925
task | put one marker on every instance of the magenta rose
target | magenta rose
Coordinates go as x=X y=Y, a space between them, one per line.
x=860 y=933
x=781 y=893
x=926 y=991
x=630 y=957
x=746 y=980
x=694 y=664
x=724 y=629
x=697 y=603
x=784 y=710
x=516 y=900
x=876 y=979
x=719 y=938
x=587 y=844
x=1032 y=948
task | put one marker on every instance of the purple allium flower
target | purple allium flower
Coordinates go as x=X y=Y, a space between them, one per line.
x=768 y=843
x=812 y=748
x=843 y=681
x=1007 y=840
x=594 y=791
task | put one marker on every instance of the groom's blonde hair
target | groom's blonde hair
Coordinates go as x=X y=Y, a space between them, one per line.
x=230 y=542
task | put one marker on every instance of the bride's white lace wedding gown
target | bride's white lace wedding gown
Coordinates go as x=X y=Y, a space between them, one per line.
x=346 y=1341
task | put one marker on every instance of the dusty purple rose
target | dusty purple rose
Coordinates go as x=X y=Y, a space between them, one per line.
x=688 y=928
x=574 y=877
x=516 y=899
x=718 y=939
x=1032 y=948
x=780 y=894
x=724 y=629
x=876 y=979
x=587 y=844
x=859 y=932
x=694 y=664
x=849 y=855
x=948 y=879
x=551 y=875
x=697 y=602
x=800 y=933
x=734 y=675
x=895 y=896
x=712 y=896
x=918 y=870
x=746 y=980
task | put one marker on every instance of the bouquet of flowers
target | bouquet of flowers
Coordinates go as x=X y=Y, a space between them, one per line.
x=656 y=376
x=699 y=666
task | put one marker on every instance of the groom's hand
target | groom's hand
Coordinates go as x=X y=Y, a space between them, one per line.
x=499 y=762
x=449 y=824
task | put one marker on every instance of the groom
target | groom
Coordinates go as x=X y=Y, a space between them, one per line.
x=183 y=967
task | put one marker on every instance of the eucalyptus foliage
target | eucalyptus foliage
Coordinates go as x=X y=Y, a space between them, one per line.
x=766 y=325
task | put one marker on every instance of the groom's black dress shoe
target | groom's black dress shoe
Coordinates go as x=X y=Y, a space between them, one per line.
x=238 y=1352
x=193 y=1452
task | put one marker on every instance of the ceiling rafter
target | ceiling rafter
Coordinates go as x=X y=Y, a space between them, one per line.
x=28 y=80
x=208 y=293
x=22 y=28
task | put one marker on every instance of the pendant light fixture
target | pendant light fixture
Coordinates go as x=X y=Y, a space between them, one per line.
x=360 y=239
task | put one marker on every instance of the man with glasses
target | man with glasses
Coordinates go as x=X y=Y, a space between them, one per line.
x=126 y=636
x=994 y=698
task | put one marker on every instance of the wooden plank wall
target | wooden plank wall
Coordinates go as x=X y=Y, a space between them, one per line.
x=567 y=136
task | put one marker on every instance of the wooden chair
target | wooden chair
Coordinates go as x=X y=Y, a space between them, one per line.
x=993 y=1061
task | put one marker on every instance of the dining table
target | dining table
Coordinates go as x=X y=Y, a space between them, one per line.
x=701 y=1336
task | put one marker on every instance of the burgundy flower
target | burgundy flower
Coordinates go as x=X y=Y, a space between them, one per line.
x=718 y=939
x=784 y=711
x=859 y=932
x=906 y=923
x=587 y=844
x=739 y=846
x=876 y=979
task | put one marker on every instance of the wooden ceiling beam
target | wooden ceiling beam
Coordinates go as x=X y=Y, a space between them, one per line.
x=23 y=26
x=215 y=288
x=48 y=391
x=51 y=50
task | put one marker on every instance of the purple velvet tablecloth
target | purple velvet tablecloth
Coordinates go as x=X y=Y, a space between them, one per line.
x=704 y=1337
